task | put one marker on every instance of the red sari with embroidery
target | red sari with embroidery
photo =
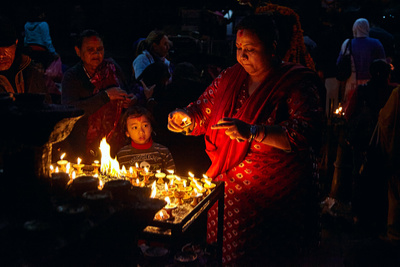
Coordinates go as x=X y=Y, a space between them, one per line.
x=270 y=195
x=104 y=122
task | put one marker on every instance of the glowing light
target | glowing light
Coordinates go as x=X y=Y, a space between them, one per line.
x=109 y=166
x=153 y=190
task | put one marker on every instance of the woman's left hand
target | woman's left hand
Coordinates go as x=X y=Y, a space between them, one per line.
x=235 y=129
x=130 y=100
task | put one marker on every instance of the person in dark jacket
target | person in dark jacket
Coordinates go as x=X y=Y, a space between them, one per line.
x=17 y=73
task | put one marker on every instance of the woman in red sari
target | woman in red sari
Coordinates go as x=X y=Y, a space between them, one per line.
x=262 y=119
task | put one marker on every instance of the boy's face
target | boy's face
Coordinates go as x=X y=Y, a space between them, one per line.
x=138 y=129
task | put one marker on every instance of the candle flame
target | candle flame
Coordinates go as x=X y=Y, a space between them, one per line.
x=191 y=174
x=208 y=182
x=170 y=171
x=108 y=165
x=158 y=171
x=137 y=165
x=73 y=175
x=205 y=176
x=79 y=160
x=168 y=200
x=101 y=184
x=131 y=170
x=57 y=170
x=137 y=181
x=123 y=170
x=184 y=183
x=153 y=190
x=62 y=156
x=166 y=187
x=177 y=178
x=68 y=167
x=96 y=162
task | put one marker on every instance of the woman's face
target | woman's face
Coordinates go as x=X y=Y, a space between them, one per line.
x=91 y=52
x=251 y=53
x=138 y=129
x=162 y=48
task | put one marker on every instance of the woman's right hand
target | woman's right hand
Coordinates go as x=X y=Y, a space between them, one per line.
x=116 y=93
x=179 y=121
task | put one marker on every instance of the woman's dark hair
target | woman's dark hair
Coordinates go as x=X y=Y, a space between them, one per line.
x=263 y=25
x=136 y=112
x=154 y=37
x=86 y=34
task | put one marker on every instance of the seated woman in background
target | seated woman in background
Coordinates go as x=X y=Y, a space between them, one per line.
x=150 y=50
x=37 y=40
x=96 y=86
x=137 y=125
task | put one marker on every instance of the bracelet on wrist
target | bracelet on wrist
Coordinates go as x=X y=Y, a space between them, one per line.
x=253 y=132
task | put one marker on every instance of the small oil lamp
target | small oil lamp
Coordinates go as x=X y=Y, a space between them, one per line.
x=96 y=167
x=169 y=207
x=185 y=188
x=167 y=192
x=160 y=175
x=162 y=215
x=132 y=172
x=196 y=196
x=179 y=195
x=146 y=175
x=62 y=163
x=170 y=175
x=209 y=186
x=78 y=167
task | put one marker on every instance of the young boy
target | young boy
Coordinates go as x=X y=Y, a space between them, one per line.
x=137 y=123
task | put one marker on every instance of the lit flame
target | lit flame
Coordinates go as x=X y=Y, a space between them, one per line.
x=57 y=169
x=184 y=183
x=131 y=170
x=191 y=174
x=171 y=182
x=123 y=170
x=68 y=167
x=51 y=168
x=101 y=184
x=208 y=182
x=137 y=165
x=197 y=185
x=137 y=181
x=170 y=171
x=153 y=190
x=205 y=176
x=146 y=170
x=168 y=200
x=62 y=156
x=166 y=187
x=73 y=175
x=79 y=161
x=108 y=165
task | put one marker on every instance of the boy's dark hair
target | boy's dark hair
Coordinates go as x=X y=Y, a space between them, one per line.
x=136 y=111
